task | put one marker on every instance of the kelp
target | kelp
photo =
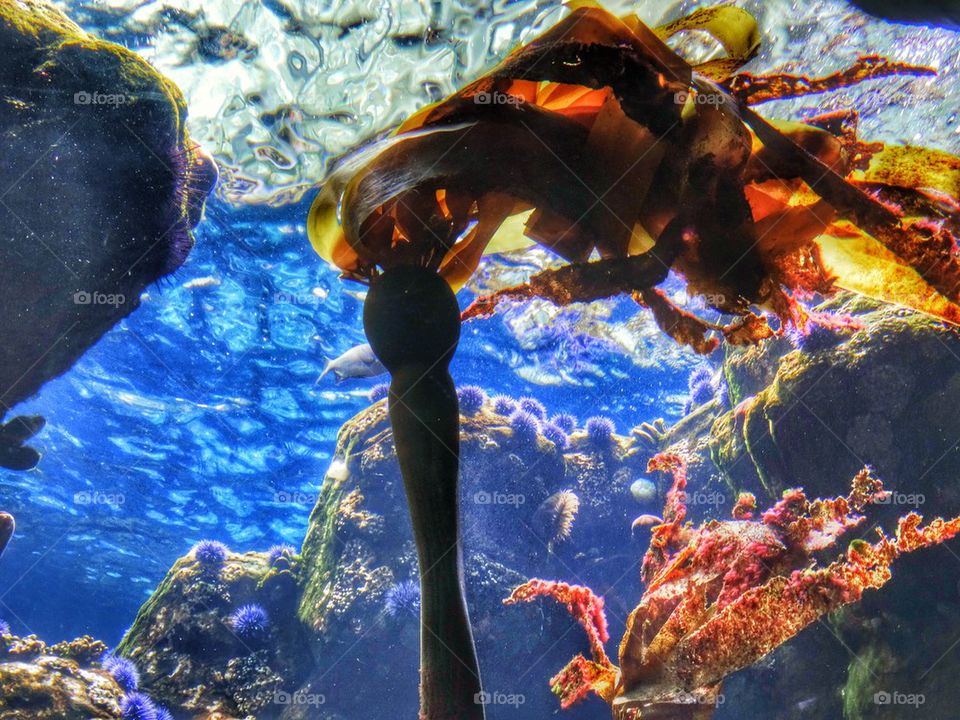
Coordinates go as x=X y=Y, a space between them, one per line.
x=600 y=143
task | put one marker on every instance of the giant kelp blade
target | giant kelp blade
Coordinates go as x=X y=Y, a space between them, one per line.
x=734 y=28
x=863 y=265
x=919 y=168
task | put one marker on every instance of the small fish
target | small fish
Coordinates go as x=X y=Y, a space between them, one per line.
x=646 y=520
x=201 y=282
x=357 y=362
x=7 y=528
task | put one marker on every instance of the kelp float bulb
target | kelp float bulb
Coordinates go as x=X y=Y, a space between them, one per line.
x=412 y=321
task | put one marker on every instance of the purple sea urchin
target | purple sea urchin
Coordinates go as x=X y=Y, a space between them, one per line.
x=404 y=597
x=250 y=622
x=163 y=714
x=278 y=551
x=471 y=399
x=600 y=431
x=378 y=392
x=137 y=706
x=525 y=426
x=210 y=553
x=565 y=421
x=700 y=374
x=504 y=405
x=124 y=671
x=702 y=393
x=532 y=406
x=816 y=337
x=556 y=435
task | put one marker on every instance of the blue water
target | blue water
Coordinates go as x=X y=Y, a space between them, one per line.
x=200 y=416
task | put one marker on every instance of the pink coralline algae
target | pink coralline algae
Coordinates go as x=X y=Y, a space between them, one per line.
x=719 y=596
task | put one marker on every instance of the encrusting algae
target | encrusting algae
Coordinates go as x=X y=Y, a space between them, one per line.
x=720 y=596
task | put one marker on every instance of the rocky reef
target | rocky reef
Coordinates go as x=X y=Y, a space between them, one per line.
x=343 y=613
x=529 y=506
x=58 y=682
x=102 y=187
x=548 y=496
x=219 y=637
x=879 y=389
x=810 y=411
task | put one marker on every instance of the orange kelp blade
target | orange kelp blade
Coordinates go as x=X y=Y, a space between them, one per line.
x=862 y=265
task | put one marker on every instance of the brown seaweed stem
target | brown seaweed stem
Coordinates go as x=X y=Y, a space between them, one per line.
x=412 y=321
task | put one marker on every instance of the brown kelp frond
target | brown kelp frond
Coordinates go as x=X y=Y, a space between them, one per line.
x=604 y=145
x=757 y=89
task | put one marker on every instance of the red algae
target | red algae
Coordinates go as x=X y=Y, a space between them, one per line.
x=721 y=595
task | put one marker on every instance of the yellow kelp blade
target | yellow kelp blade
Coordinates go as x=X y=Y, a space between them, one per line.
x=462 y=260
x=734 y=28
x=324 y=228
x=913 y=167
x=862 y=265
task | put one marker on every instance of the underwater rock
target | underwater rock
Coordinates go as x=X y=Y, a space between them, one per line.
x=359 y=549
x=192 y=657
x=58 y=682
x=103 y=186
x=884 y=396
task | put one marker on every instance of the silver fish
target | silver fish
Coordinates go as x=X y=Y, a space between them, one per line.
x=357 y=362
